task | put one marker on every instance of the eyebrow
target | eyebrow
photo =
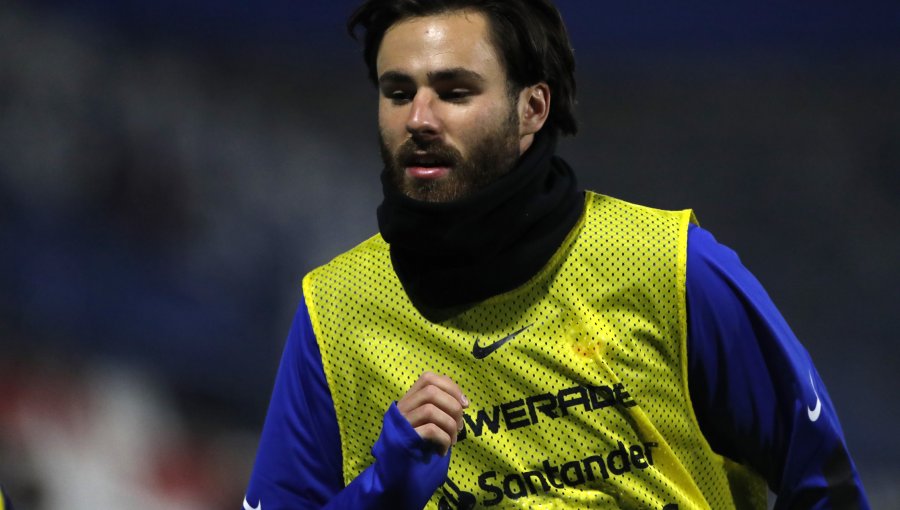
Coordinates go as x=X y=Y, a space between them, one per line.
x=456 y=73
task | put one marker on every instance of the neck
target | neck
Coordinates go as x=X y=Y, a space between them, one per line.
x=452 y=255
x=525 y=143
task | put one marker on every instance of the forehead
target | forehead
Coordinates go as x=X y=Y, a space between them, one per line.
x=459 y=39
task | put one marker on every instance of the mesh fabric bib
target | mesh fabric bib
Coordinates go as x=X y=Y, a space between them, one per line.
x=577 y=379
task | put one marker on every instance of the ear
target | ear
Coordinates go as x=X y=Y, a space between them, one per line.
x=534 y=108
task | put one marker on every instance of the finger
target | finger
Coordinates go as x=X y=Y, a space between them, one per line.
x=443 y=382
x=431 y=395
x=431 y=414
x=423 y=380
x=435 y=435
x=450 y=387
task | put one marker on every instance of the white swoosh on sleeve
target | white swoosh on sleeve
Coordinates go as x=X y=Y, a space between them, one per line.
x=814 y=413
x=248 y=507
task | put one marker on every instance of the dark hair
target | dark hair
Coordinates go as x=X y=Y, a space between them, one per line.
x=529 y=36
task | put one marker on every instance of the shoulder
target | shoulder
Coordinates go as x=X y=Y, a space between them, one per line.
x=373 y=246
x=600 y=201
x=621 y=218
x=703 y=248
x=371 y=253
x=716 y=271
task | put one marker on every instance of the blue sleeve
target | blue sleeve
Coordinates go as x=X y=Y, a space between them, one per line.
x=299 y=461
x=5 y=503
x=755 y=391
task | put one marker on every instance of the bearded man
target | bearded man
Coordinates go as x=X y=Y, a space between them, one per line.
x=510 y=340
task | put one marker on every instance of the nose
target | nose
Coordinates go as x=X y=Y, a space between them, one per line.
x=423 y=120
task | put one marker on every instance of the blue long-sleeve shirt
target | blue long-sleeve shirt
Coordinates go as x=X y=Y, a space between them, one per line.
x=755 y=391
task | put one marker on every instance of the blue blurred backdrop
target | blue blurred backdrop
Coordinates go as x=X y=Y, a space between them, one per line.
x=170 y=170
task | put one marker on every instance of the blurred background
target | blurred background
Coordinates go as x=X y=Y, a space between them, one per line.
x=170 y=170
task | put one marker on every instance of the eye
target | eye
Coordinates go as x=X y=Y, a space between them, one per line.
x=399 y=96
x=458 y=95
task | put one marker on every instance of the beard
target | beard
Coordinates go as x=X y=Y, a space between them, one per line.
x=491 y=157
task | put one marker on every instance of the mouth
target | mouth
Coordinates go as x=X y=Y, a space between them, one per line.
x=430 y=173
x=426 y=167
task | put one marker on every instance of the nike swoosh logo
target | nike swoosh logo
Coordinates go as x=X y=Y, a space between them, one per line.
x=482 y=352
x=248 y=507
x=816 y=411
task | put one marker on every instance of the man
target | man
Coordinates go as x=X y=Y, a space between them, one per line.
x=5 y=503
x=510 y=341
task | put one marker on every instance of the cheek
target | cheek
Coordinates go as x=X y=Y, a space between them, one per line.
x=392 y=123
x=480 y=123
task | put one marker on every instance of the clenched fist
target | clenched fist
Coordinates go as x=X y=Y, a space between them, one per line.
x=434 y=407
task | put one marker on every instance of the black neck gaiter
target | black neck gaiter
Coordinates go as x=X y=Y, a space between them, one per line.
x=453 y=254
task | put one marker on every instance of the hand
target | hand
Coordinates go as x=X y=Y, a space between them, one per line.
x=434 y=406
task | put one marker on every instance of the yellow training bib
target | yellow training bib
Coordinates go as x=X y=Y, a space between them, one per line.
x=577 y=379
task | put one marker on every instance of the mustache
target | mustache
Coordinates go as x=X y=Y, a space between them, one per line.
x=418 y=153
